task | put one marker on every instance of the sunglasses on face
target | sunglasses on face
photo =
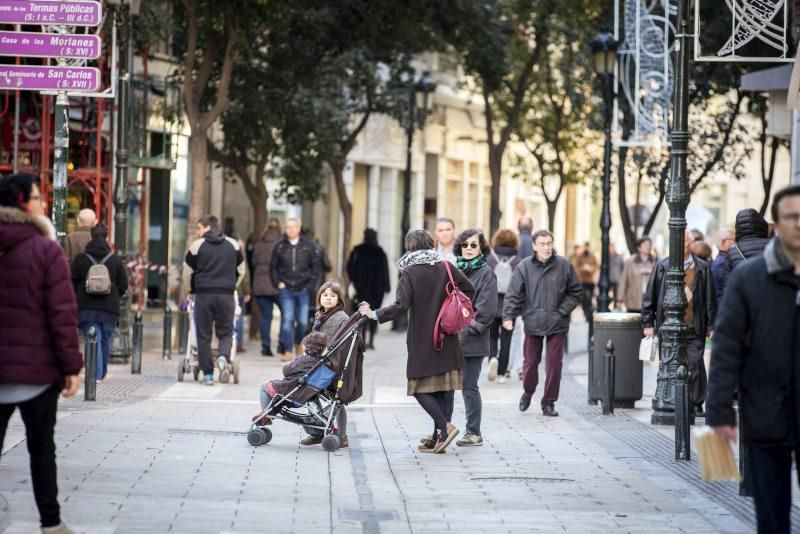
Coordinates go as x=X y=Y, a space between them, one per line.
x=470 y=245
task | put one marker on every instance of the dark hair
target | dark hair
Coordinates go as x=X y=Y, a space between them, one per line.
x=15 y=189
x=642 y=240
x=791 y=191
x=314 y=343
x=370 y=236
x=418 y=240
x=336 y=288
x=99 y=231
x=702 y=250
x=543 y=233
x=209 y=220
x=466 y=234
x=505 y=238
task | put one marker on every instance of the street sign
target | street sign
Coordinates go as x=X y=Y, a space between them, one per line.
x=38 y=78
x=70 y=12
x=29 y=44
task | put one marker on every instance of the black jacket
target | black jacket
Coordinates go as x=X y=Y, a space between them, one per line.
x=756 y=347
x=485 y=304
x=298 y=266
x=704 y=298
x=368 y=269
x=214 y=264
x=99 y=249
x=544 y=293
x=751 y=240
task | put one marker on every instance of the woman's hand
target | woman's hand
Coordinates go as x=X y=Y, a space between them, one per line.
x=71 y=383
x=364 y=309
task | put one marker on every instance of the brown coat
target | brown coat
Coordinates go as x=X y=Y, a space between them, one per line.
x=633 y=281
x=586 y=265
x=76 y=242
x=421 y=290
x=262 y=256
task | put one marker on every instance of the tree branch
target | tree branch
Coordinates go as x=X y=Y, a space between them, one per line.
x=189 y=101
x=349 y=142
x=211 y=115
x=720 y=150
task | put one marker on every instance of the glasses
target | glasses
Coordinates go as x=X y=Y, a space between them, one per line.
x=470 y=245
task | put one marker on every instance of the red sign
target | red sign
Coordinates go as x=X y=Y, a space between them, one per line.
x=30 y=134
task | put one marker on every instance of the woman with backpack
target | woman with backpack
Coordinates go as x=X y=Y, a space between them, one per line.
x=99 y=279
x=502 y=260
x=435 y=362
x=471 y=249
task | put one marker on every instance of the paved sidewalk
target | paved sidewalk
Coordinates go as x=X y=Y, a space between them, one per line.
x=154 y=455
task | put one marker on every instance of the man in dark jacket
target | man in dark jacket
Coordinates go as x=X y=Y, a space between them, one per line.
x=294 y=266
x=368 y=270
x=725 y=240
x=699 y=315
x=100 y=312
x=752 y=236
x=213 y=268
x=525 y=227
x=756 y=349
x=544 y=289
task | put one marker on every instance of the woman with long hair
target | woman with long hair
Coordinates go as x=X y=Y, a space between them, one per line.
x=502 y=259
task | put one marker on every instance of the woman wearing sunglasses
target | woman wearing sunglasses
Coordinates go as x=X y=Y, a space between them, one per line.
x=472 y=249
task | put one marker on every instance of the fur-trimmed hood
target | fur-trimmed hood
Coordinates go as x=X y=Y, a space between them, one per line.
x=17 y=225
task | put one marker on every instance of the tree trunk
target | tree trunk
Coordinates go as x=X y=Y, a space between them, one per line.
x=346 y=207
x=624 y=214
x=259 y=204
x=198 y=151
x=495 y=171
x=767 y=180
x=552 y=207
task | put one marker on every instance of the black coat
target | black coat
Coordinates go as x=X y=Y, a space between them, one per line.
x=368 y=269
x=704 y=298
x=756 y=344
x=99 y=249
x=421 y=291
x=485 y=304
x=751 y=240
x=297 y=266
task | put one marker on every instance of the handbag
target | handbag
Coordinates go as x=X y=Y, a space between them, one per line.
x=648 y=349
x=455 y=314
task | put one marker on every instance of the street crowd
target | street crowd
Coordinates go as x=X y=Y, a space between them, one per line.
x=469 y=298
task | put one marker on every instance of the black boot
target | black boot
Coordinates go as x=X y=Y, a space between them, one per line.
x=524 y=403
x=266 y=351
x=549 y=410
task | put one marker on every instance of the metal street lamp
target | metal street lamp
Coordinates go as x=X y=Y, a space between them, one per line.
x=604 y=52
x=417 y=116
x=669 y=405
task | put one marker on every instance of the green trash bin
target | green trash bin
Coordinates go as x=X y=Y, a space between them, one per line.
x=625 y=331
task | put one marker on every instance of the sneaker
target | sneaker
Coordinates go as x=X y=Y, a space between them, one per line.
x=427 y=445
x=549 y=410
x=241 y=348
x=493 y=363
x=445 y=437
x=222 y=363
x=311 y=440
x=524 y=403
x=61 y=528
x=343 y=442
x=207 y=380
x=502 y=379
x=470 y=440
x=426 y=439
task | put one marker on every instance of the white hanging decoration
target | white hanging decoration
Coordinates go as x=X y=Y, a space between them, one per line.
x=766 y=21
x=645 y=71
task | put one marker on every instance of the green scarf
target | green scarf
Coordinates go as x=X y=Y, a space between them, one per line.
x=467 y=266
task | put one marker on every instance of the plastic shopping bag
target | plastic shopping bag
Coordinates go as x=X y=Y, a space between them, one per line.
x=648 y=349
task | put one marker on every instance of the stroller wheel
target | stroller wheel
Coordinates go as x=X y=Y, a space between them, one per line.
x=236 y=372
x=330 y=442
x=259 y=436
x=181 y=368
x=196 y=373
x=224 y=376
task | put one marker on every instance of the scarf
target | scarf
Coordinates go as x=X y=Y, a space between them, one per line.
x=418 y=257
x=467 y=266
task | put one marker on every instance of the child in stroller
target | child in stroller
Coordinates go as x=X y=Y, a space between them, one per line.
x=315 y=388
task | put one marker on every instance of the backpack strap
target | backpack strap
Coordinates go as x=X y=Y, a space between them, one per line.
x=91 y=258
x=495 y=256
x=740 y=252
x=107 y=256
x=450 y=276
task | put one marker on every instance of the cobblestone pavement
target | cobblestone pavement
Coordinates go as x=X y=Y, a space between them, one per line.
x=155 y=455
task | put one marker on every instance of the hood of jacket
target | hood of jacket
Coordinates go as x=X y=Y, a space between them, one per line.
x=750 y=223
x=215 y=235
x=505 y=251
x=17 y=226
x=776 y=259
x=97 y=248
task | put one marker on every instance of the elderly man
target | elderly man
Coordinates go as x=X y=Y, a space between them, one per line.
x=525 y=228
x=699 y=315
x=755 y=353
x=76 y=241
x=725 y=239
x=445 y=230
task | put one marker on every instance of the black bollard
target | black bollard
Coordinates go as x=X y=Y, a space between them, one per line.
x=183 y=331
x=682 y=444
x=90 y=379
x=589 y=398
x=167 y=355
x=138 y=333
x=609 y=361
x=745 y=488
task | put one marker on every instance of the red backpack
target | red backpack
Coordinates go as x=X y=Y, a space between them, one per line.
x=455 y=314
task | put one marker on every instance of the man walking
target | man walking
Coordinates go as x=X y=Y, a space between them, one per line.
x=525 y=227
x=77 y=240
x=635 y=274
x=544 y=290
x=445 y=238
x=756 y=351
x=725 y=240
x=294 y=266
x=699 y=315
x=213 y=268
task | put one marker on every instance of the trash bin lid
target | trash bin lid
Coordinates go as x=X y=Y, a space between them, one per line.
x=617 y=317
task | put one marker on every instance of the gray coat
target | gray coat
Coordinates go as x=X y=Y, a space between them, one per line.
x=485 y=304
x=332 y=325
x=544 y=294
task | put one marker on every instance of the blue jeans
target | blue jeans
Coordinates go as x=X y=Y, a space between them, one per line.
x=265 y=306
x=294 y=317
x=103 y=331
x=238 y=326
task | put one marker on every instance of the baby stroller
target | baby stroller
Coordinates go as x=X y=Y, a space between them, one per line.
x=188 y=363
x=334 y=382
